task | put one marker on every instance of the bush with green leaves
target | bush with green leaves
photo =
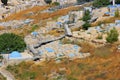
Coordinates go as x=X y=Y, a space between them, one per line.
x=117 y=14
x=10 y=42
x=101 y=3
x=86 y=16
x=34 y=27
x=56 y=3
x=117 y=1
x=112 y=36
x=48 y=1
x=86 y=26
x=4 y=2
x=79 y=1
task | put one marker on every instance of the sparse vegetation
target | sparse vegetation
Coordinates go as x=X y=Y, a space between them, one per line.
x=100 y=36
x=2 y=78
x=56 y=32
x=34 y=27
x=79 y=69
x=86 y=47
x=66 y=41
x=103 y=52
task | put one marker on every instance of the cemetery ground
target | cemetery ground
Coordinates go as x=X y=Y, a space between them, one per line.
x=42 y=23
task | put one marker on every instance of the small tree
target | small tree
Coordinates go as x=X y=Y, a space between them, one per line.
x=117 y=14
x=10 y=42
x=112 y=36
x=56 y=3
x=4 y=2
x=48 y=1
x=117 y=1
x=86 y=26
x=97 y=3
x=101 y=3
x=86 y=16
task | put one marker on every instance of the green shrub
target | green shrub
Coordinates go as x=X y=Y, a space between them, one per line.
x=100 y=3
x=56 y=3
x=86 y=16
x=9 y=68
x=86 y=26
x=48 y=1
x=117 y=14
x=34 y=27
x=112 y=36
x=117 y=1
x=11 y=42
x=1 y=57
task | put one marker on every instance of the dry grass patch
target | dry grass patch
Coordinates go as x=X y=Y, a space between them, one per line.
x=79 y=69
x=56 y=32
x=75 y=29
x=105 y=21
x=21 y=14
x=86 y=47
x=39 y=16
x=2 y=28
x=103 y=52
